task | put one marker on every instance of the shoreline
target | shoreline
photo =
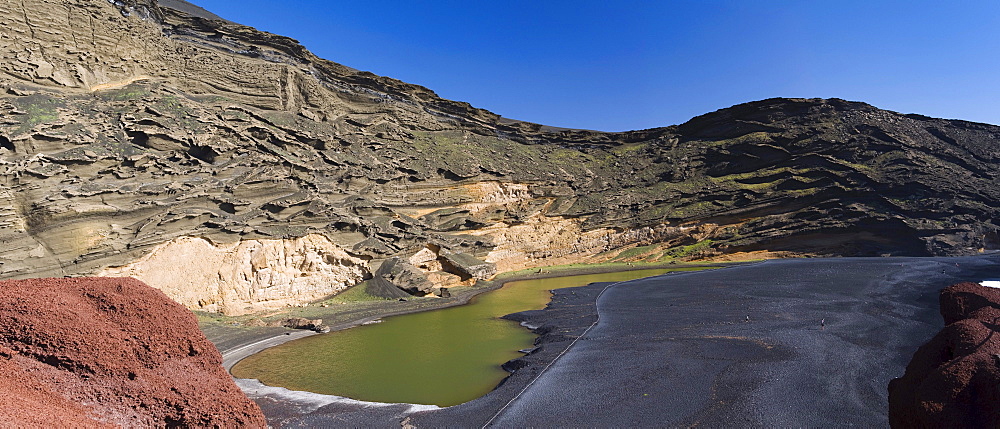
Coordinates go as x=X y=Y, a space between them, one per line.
x=705 y=318
x=254 y=339
x=697 y=325
x=569 y=309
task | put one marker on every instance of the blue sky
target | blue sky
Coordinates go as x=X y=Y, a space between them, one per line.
x=622 y=65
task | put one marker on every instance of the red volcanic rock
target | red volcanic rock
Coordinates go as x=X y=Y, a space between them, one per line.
x=959 y=300
x=93 y=352
x=952 y=381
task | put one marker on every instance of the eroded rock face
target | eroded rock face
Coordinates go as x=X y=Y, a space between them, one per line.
x=130 y=124
x=952 y=380
x=428 y=271
x=246 y=276
x=92 y=352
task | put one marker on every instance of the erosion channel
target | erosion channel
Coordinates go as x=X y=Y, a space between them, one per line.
x=443 y=357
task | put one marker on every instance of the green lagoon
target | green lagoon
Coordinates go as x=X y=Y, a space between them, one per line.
x=442 y=357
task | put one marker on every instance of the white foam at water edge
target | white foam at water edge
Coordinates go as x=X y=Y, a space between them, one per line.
x=314 y=401
x=991 y=283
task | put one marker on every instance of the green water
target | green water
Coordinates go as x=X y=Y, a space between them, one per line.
x=443 y=357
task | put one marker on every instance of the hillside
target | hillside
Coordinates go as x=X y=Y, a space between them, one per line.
x=139 y=136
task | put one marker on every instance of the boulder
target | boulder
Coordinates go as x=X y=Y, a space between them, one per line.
x=958 y=301
x=398 y=273
x=952 y=380
x=467 y=266
x=90 y=352
x=300 y=323
x=442 y=279
x=425 y=259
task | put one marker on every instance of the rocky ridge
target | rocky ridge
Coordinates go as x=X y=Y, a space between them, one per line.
x=131 y=130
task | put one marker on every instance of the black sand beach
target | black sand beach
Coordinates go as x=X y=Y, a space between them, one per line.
x=677 y=350
x=237 y=340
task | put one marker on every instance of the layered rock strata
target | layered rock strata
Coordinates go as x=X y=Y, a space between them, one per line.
x=952 y=380
x=129 y=125
x=105 y=352
x=246 y=276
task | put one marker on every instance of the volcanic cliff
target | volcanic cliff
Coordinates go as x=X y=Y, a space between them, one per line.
x=136 y=135
x=106 y=352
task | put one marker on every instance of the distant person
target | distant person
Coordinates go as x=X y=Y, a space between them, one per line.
x=822 y=324
x=748 y=318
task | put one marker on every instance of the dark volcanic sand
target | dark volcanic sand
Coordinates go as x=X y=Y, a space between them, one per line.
x=676 y=350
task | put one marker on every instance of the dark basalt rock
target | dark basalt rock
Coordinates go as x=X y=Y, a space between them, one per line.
x=952 y=380
x=514 y=365
x=467 y=266
x=401 y=275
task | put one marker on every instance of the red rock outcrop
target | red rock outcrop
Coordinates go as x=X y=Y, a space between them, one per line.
x=98 y=352
x=952 y=381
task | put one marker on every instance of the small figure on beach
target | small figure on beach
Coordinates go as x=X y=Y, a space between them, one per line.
x=822 y=323
x=748 y=318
